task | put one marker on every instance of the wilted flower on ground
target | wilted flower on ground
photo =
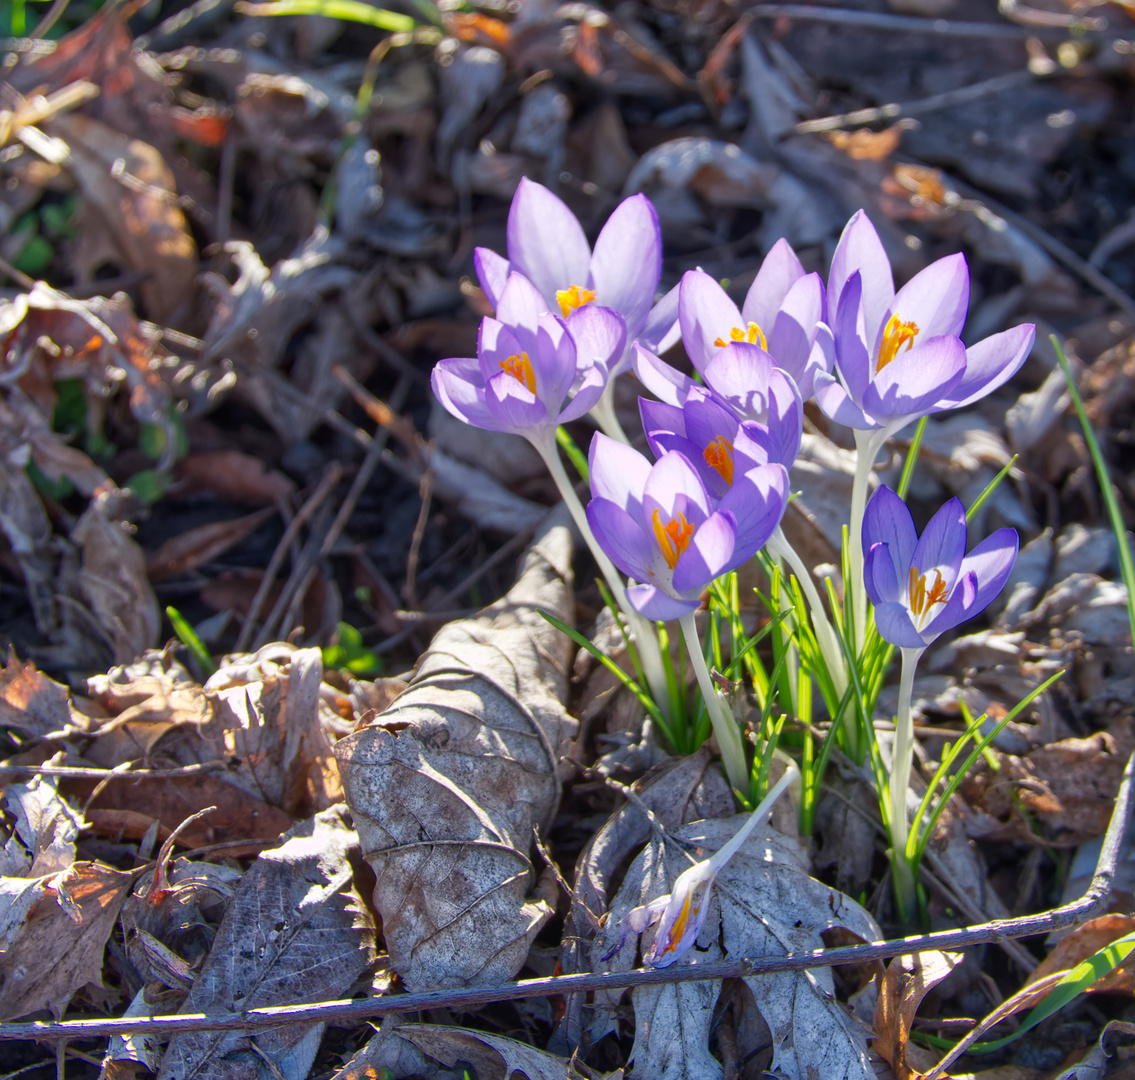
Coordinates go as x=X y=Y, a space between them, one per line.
x=681 y=915
x=546 y=244
x=781 y=314
x=534 y=370
x=923 y=586
x=660 y=526
x=899 y=356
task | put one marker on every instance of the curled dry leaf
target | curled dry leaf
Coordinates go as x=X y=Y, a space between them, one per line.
x=764 y=903
x=907 y=981
x=447 y=786
x=36 y=705
x=293 y=934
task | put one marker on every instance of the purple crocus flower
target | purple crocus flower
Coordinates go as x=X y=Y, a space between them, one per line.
x=709 y=435
x=899 y=355
x=533 y=370
x=781 y=314
x=546 y=244
x=923 y=586
x=660 y=526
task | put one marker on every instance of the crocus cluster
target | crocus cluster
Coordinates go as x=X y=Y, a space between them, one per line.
x=568 y=318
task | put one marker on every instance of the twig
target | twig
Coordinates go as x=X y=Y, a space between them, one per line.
x=16 y=774
x=345 y=1012
x=872 y=20
x=912 y=108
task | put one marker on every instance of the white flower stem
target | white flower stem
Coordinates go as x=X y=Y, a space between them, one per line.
x=825 y=634
x=761 y=813
x=724 y=726
x=603 y=413
x=646 y=640
x=901 y=760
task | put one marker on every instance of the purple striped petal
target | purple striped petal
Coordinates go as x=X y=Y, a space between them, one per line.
x=860 y=249
x=546 y=242
x=492 y=273
x=710 y=552
x=654 y=604
x=936 y=299
x=989 y=364
x=912 y=383
x=706 y=314
x=627 y=262
x=622 y=538
x=618 y=473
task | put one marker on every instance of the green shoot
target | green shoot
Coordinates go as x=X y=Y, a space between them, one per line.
x=188 y=637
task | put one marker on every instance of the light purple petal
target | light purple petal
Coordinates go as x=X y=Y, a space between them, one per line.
x=514 y=405
x=990 y=363
x=887 y=521
x=912 y=384
x=779 y=272
x=879 y=575
x=520 y=308
x=942 y=543
x=666 y=383
x=990 y=563
x=674 y=487
x=706 y=419
x=706 y=314
x=860 y=249
x=852 y=356
x=821 y=358
x=622 y=538
x=627 y=262
x=710 y=552
x=662 y=329
x=833 y=400
x=618 y=473
x=588 y=390
x=599 y=334
x=785 y=419
x=458 y=385
x=659 y=417
x=936 y=299
x=554 y=362
x=896 y=626
x=740 y=374
x=757 y=500
x=657 y=606
x=492 y=273
x=793 y=327
x=496 y=344
x=546 y=242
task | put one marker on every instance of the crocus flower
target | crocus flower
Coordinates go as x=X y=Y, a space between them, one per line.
x=660 y=526
x=534 y=370
x=781 y=314
x=899 y=355
x=713 y=440
x=681 y=914
x=546 y=244
x=923 y=586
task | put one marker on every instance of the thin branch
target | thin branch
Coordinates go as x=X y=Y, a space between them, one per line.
x=350 y=1012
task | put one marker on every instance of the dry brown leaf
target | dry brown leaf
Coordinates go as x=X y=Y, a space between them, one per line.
x=232 y=475
x=113 y=582
x=130 y=214
x=35 y=704
x=448 y=785
x=907 y=981
x=40 y=839
x=294 y=933
x=59 y=948
x=764 y=903
x=190 y=549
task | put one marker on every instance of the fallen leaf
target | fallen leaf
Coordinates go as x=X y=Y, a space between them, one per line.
x=36 y=704
x=295 y=933
x=202 y=544
x=448 y=785
x=59 y=948
x=234 y=476
x=908 y=979
x=1085 y=941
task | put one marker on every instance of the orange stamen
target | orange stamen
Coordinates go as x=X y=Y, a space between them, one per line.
x=678 y=930
x=572 y=298
x=753 y=334
x=895 y=336
x=520 y=368
x=719 y=455
x=921 y=599
x=673 y=537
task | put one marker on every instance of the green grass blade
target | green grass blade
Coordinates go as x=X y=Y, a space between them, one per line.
x=188 y=637
x=348 y=10
x=576 y=456
x=911 y=459
x=1115 y=516
x=990 y=488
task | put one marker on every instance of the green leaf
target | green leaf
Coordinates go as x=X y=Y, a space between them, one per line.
x=576 y=456
x=348 y=10
x=190 y=640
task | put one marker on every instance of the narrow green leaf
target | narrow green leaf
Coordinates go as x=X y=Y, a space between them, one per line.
x=188 y=637
x=348 y=10
x=576 y=456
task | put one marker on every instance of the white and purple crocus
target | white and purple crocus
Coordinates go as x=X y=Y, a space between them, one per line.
x=921 y=587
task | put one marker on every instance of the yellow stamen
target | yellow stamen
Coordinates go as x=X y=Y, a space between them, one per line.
x=921 y=599
x=572 y=298
x=895 y=336
x=673 y=537
x=678 y=930
x=520 y=368
x=753 y=334
x=719 y=455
